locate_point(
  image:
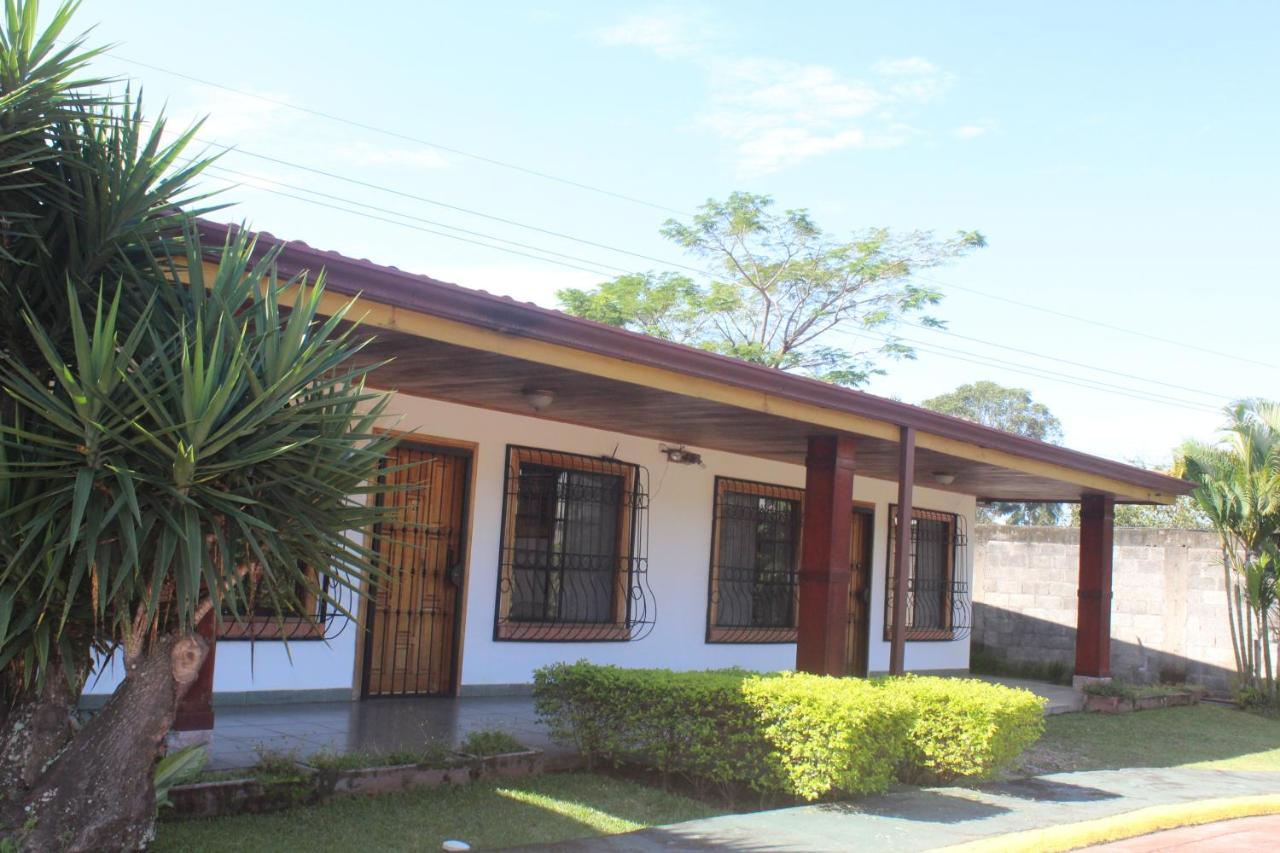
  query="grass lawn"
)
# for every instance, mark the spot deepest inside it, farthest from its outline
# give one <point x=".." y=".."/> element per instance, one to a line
<point x="1204" y="735"/>
<point x="541" y="809"/>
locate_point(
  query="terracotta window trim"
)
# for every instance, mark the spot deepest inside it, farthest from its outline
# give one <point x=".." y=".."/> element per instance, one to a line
<point x="944" y="632"/>
<point x="717" y="633"/>
<point x="267" y="627"/>
<point x="616" y="629"/>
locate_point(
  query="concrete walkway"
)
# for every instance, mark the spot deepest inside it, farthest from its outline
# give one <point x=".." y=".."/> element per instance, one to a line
<point x="1062" y="699"/>
<point x="373" y="725"/>
<point x="405" y="723"/>
<point x="926" y="819"/>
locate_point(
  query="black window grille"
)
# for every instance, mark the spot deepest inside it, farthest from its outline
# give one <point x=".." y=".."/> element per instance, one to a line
<point x="938" y="598"/>
<point x="755" y="555"/>
<point x="574" y="564"/>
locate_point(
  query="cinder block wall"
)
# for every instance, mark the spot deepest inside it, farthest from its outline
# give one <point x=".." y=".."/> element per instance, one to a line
<point x="1169" y="610"/>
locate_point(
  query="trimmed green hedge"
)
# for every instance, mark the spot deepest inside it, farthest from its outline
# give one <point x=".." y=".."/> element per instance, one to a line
<point x="695" y="724"/>
<point x="965" y="728"/>
<point x="829" y="734"/>
<point x="792" y="734"/>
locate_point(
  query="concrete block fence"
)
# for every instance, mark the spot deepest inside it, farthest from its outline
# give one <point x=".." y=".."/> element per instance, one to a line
<point x="1169" y="609"/>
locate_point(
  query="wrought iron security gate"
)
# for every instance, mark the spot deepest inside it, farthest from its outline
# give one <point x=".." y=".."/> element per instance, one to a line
<point x="411" y="634"/>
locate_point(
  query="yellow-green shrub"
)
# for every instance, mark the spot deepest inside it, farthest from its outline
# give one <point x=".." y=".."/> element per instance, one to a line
<point x="695" y="724"/>
<point x="964" y="728"/>
<point x="793" y="734"/>
<point x="830" y="734"/>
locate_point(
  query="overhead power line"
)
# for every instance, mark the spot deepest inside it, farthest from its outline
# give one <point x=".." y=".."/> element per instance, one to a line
<point x="389" y="212"/>
<point x="1095" y="322"/>
<point x="624" y="197"/>
<point x="590" y="265"/>
<point x="411" y="226"/>
<point x="405" y="137"/>
<point x="960" y="355"/>
<point x="597" y="267"/>
<point x="946" y="331"/>
<point x="230" y="149"/>
<point x="1044" y="373"/>
<point x="654" y="205"/>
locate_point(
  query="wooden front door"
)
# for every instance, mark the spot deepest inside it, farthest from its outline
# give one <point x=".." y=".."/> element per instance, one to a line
<point x="411" y="633"/>
<point x="859" y="632"/>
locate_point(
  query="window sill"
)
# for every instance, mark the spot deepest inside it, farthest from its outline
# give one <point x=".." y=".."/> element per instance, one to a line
<point x="269" y="629"/>
<point x="562" y="632"/>
<point x="924" y="635"/>
<point x="747" y="635"/>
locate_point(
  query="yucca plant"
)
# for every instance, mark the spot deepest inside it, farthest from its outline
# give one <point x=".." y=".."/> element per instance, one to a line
<point x="1238" y="488"/>
<point x="181" y="473"/>
<point x="182" y="433"/>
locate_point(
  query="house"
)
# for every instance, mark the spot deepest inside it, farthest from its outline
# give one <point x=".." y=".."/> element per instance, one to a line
<point x="580" y="491"/>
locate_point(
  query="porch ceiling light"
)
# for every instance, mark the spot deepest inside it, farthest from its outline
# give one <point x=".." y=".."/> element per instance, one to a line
<point x="539" y="399"/>
<point x="946" y="478"/>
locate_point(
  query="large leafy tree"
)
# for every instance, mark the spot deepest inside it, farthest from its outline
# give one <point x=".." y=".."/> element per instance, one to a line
<point x="173" y="444"/>
<point x="1012" y="410"/>
<point x="1238" y="488"/>
<point x="775" y="289"/>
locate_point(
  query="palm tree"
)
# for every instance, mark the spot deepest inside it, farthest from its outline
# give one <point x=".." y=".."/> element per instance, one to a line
<point x="173" y="443"/>
<point x="1238" y="488"/>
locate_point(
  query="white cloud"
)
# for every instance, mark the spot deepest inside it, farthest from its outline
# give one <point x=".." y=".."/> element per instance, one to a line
<point x="777" y="113"/>
<point x="909" y="66"/>
<point x="972" y="131"/>
<point x="231" y="117"/>
<point x="667" y="32"/>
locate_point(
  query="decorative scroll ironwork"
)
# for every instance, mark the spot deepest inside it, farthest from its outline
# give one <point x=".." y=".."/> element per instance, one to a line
<point x="574" y="557"/>
<point x="307" y="617"/>
<point x="939" y="605"/>
<point x="755" y="552"/>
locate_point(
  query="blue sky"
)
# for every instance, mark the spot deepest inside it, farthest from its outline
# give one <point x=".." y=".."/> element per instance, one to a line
<point x="1120" y="158"/>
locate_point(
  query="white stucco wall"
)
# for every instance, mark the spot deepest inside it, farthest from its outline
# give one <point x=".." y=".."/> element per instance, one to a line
<point x="680" y="520"/>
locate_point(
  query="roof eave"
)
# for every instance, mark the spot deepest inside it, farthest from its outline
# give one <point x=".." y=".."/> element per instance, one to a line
<point x="419" y="293"/>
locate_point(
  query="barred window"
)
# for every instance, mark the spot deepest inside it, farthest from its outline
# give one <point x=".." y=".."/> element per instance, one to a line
<point x="755" y="555"/>
<point x="570" y="563"/>
<point x="304" y="616"/>
<point x="937" y="589"/>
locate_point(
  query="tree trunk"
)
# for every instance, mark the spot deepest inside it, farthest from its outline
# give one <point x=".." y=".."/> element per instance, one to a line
<point x="1228" y="585"/>
<point x="1244" y="615"/>
<point x="35" y="728"/>
<point x="98" y="793"/>
<point x="1265" y="622"/>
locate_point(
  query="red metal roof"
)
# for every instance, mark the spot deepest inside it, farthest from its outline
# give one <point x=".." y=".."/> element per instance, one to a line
<point x="392" y="286"/>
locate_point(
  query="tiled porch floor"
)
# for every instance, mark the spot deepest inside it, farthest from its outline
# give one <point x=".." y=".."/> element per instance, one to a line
<point x="385" y="725"/>
<point x="372" y="725"/>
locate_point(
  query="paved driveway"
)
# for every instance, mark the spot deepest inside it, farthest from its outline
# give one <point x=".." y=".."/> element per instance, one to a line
<point x="925" y="819"/>
<point x="1245" y="835"/>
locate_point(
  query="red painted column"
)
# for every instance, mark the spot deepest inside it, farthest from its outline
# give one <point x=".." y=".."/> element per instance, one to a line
<point x="824" y="556"/>
<point x="902" y="550"/>
<point x="195" y="711"/>
<point x="1093" y="618"/>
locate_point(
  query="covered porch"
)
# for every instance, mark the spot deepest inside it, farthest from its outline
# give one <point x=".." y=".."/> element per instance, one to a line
<point x="469" y="348"/>
<point x="465" y="346"/>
